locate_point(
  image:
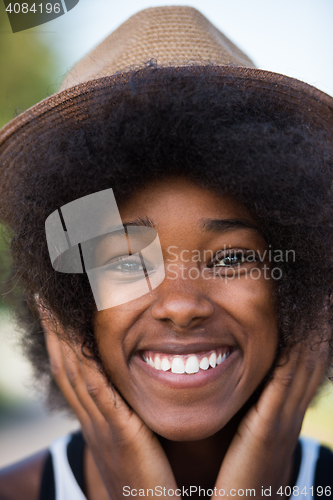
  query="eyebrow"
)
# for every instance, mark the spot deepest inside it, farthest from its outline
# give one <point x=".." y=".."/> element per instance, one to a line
<point x="225" y="225"/>
<point x="209" y="225"/>
<point x="141" y="221"/>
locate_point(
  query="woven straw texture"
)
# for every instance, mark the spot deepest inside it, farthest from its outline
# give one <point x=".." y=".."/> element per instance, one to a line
<point x="171" y="35"/>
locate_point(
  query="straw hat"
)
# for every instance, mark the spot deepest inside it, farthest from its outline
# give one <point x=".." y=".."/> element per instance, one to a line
<point x="174" y="36"/>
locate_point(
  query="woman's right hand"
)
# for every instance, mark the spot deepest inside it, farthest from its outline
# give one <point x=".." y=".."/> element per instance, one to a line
<point x="126" y="451"/>
<point x="260" y="456"/>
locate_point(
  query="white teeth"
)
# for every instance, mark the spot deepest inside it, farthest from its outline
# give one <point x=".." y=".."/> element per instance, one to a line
<point x="212" y="360"/>
<point x="204" y="363"/>
<point x="165" y="364"/>
<point x="177" y="365"/>
<point x="192" y="365"/>
<point x="157" y="363"/>
<point x="184" y="364"/>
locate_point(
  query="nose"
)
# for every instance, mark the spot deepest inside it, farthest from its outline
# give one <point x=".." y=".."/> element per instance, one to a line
<point x="183" y="309"/>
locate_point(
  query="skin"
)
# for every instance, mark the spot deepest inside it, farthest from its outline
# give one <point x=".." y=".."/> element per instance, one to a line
<point x="187" y="311"/>
<point x="22" y="480"/>
<point x="144" y="431"/>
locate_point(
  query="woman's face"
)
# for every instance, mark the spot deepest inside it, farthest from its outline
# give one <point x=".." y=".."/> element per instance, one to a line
<point x="209" y="304"/>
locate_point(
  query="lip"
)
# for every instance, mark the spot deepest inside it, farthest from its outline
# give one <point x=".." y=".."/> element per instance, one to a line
<point x="185" y="381"/>
<point x="173" y="348"/>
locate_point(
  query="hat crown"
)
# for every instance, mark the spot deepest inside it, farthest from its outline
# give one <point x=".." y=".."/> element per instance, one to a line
<point x="173" y="36"/>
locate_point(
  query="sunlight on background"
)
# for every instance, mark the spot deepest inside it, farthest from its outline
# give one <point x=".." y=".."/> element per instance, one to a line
<point x="292" y="37"/>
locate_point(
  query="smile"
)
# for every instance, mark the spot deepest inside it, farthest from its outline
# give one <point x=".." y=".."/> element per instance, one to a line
<point x="187" y="363"/>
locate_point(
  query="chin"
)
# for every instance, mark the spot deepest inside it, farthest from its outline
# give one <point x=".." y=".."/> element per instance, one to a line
<point x="185" y="427"/>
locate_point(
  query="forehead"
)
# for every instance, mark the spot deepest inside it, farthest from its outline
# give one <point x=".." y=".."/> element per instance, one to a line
<point x="178" y="201"/>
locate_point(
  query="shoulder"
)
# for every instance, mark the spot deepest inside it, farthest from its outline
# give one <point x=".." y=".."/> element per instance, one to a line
<point x="21" y="481"/>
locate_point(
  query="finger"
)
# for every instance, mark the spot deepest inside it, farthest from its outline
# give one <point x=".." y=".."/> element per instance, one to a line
<point x="276" y="392"/>
<point x="105" y="396"/>
<point x="59" y="373"/>
<point x="305" y="370"/>
<point x="78" y="383"/>
<point x="89" y="394"/>
<point x="317" y="372"/>
<point x="293" y="385"/>
<point x="309" y="370"/>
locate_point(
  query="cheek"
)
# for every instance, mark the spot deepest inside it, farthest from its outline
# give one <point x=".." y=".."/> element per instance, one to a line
<point x="114" y="334"/>
<point x="108" y="327"/>
<point x="250" y="302"/>
<point x="112" y="323"/>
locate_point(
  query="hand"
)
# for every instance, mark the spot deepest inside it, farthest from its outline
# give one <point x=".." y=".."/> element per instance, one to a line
<point x="261" y="452"/>
<point x="125" y="450"/>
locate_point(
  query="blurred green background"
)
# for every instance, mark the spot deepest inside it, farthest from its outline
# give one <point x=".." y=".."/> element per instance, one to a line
<point x="28" y="69"/>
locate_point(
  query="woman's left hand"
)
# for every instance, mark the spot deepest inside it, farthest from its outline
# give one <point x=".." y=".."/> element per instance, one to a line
<point x="261" y="452"/>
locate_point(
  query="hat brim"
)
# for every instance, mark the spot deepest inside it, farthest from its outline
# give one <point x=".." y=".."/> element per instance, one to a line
<point x="73" y="105"/>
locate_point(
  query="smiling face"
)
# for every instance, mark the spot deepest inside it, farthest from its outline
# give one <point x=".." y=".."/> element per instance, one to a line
<point x="214" y="304"/>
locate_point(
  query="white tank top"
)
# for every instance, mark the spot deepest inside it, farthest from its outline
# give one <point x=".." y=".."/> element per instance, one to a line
<point x="307" y="471"/>
<point x="67" y="487"/>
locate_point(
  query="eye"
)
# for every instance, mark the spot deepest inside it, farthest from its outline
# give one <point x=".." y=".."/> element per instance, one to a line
<point x="126" y="264"/>
<point x="230" y="258"/>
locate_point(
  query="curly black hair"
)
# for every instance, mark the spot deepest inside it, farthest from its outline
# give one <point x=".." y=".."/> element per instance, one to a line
<point x="242" y="141"/>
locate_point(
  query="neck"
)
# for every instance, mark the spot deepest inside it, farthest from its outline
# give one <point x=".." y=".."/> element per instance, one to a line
<point x="197" y="463"/>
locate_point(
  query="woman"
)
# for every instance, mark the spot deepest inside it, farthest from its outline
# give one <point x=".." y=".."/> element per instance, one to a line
<point x="202" y="379"/>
